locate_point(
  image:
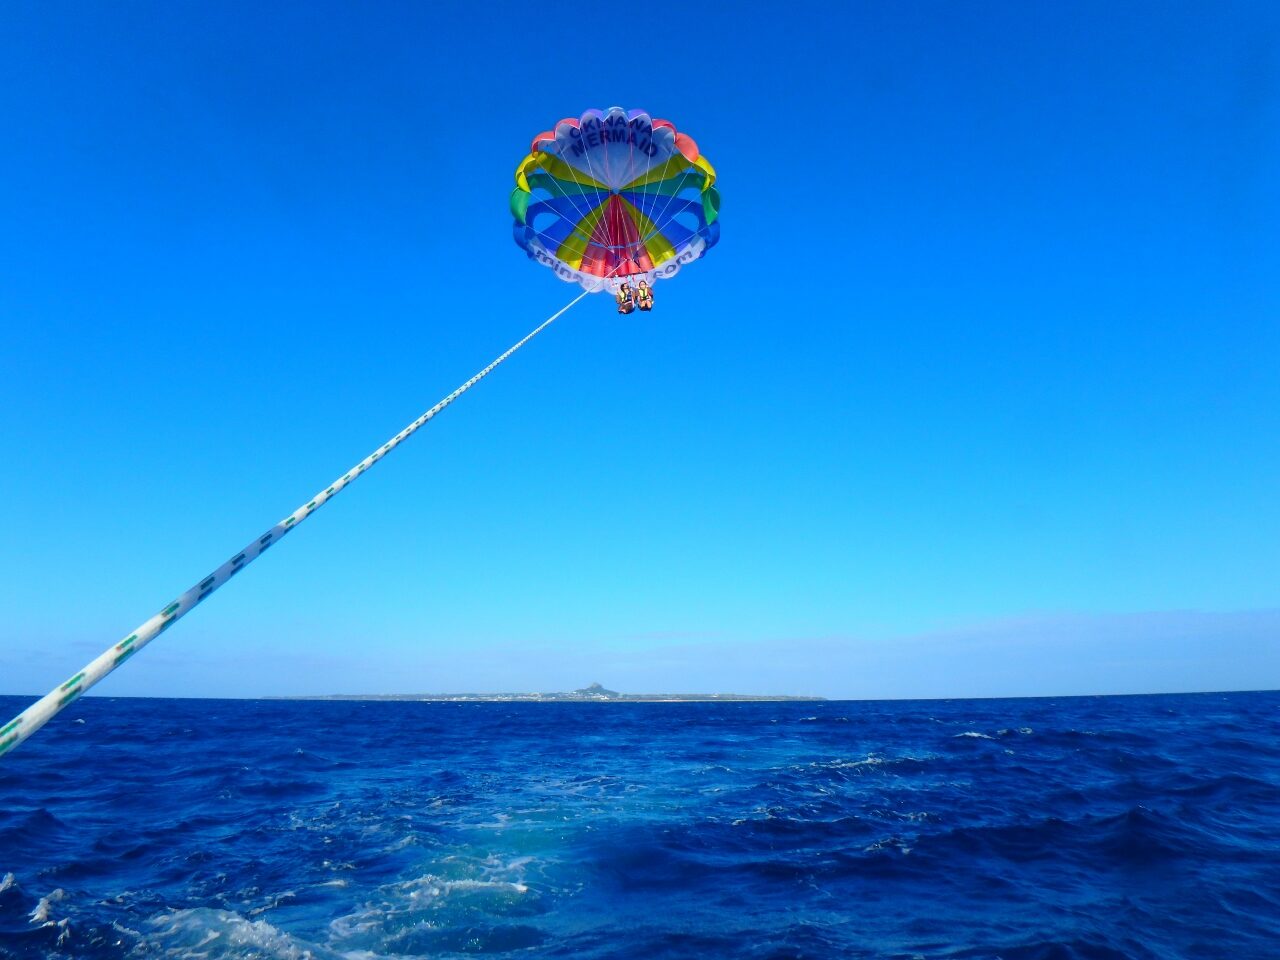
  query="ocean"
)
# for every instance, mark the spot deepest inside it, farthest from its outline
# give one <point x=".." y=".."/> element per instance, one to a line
<point x="1039" y="829"/>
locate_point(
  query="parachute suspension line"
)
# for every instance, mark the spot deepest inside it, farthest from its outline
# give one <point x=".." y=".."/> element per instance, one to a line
<point x="659" y="220"/>
<point x="602" y="202"/>
<point x="647" y="205"/>
<point x="43" y="710"/>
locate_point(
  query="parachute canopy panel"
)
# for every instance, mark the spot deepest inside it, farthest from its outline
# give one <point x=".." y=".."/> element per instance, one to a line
<point x="615" y="194"/>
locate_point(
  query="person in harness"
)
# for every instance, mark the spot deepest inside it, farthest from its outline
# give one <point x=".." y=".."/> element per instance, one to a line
<point x="625" y="302"/>
<point x="644" y="296"/>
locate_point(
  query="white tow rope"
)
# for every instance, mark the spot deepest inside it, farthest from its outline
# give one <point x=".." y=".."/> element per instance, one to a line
<point x="48" y="706"/>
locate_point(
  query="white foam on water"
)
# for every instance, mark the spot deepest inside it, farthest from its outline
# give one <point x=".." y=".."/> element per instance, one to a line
<point x="9" y="881"/>
<point x="450" y="885"/>
<point x="408" y="840"/>
<point x="274" y="902"/>
<point x="870" y="760"/>
<point x="119" y="927"/>
<point x="41" y="913"/>
<point x="500" y="821"/>
<point x="431" y="901"/>
<point x="975" y="733"/>
<point x="890" y="843"/>
<point x="203" y="933"/>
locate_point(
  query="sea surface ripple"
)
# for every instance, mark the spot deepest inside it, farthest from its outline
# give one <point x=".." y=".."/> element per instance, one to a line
<point x="1047" y="829"/>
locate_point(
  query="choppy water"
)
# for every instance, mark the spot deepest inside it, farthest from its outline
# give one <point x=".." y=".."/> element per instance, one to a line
<point x="1135" y="827"/>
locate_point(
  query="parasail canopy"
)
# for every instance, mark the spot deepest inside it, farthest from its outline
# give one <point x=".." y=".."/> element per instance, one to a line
<point x="615" y="195"/>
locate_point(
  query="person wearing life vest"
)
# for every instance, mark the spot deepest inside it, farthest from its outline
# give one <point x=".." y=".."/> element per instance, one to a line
<point x="644" y="296"/>
<point x="625" y="302"/>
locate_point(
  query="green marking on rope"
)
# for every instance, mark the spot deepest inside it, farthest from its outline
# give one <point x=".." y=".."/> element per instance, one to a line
<point x="126" y="655"/>
<point x="73" y="681"/>
<point x="329" y="491"/>
<point x="126" y="642"/>
<point x="5" y="745"/>
<point x="169" y="610"/>
<point x="311" y="505"/>
<point x="10" y="726"/>
<point x="69" y="697"/>
<point x="291" y="521"/>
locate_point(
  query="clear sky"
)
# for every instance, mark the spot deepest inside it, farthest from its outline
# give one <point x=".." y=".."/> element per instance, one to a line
<point x="979" y="393"/>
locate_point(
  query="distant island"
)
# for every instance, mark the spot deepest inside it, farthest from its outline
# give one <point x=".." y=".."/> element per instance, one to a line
<point x="594" y="693"/>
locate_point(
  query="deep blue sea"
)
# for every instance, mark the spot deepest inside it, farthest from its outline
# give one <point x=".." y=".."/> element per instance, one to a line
<point x="1110" y="827"/>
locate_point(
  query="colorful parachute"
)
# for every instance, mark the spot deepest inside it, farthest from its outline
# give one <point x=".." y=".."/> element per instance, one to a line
<point x="615" y="194"/>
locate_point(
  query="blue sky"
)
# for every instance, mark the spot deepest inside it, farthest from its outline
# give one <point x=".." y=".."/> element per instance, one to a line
<point x="977" y="395"/>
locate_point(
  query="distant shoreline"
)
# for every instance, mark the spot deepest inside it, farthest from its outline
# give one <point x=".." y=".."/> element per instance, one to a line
<point x="559" y="698"/>
<point x="595" y="693"/>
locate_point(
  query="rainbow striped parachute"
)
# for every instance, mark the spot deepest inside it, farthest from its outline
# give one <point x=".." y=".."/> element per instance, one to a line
<point x="613" y="195"/>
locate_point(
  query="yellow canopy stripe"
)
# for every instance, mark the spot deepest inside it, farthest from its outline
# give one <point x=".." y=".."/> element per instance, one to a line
<point x="658" y="247"/>
<point x="556" y="167"/>
<point x="673" y="168"/>
<point x="575" y="245"/>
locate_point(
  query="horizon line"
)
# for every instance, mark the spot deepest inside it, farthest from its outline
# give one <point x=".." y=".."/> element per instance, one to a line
<point x="710" y="698"/>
